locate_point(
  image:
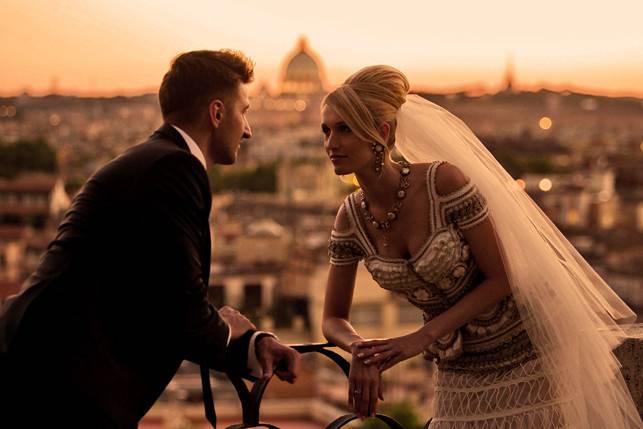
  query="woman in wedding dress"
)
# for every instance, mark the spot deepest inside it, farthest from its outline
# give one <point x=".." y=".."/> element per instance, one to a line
<point x="520" y="326"/>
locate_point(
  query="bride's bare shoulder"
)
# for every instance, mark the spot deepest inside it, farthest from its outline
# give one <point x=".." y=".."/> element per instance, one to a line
<point x="420" y="168"/>
<point x="449" y="178"/>
<point x="342" y="222"/>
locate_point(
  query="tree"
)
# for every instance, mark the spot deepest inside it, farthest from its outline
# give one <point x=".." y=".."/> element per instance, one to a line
<point x="263" y="178"/>
<point x="25" y="156"/>
<point x="403" y="412"/>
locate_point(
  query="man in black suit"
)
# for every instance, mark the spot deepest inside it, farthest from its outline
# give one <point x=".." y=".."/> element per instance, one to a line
<point x="119" y="299"/>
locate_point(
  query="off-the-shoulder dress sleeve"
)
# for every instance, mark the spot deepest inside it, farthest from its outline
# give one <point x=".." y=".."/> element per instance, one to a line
<point x="344" y="247"/>
<point x="467" y="207"/>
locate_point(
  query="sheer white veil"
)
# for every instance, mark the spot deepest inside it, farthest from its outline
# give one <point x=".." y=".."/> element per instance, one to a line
<point x="573" y="318"/>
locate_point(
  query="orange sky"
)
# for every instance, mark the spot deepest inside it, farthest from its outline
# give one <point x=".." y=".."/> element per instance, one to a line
<point x="121" y="46"/>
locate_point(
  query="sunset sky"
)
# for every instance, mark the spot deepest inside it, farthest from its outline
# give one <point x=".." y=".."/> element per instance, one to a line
<point x="104" y="47"/>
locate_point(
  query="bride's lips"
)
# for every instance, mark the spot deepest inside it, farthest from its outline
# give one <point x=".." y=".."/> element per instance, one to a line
<point x="336" y="158"/>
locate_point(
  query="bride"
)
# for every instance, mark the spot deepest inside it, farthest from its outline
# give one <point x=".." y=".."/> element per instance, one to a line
<point x="520" y="326"/>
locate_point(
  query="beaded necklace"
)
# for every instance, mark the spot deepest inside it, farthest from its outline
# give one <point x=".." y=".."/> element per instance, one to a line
<point x="392" y="213"/>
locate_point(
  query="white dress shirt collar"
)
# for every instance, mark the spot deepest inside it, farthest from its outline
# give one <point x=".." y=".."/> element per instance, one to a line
<point x="194" y="148"/>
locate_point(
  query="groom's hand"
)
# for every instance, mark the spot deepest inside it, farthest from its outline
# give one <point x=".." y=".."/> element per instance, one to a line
<point x="238" y="323"/>
<point x="277" y="358"/>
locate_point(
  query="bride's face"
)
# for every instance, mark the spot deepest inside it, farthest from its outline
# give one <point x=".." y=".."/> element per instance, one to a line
<point x="347" y="152"/>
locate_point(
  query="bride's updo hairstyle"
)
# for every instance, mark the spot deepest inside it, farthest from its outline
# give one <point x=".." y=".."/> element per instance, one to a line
<point x="369" y="97"/>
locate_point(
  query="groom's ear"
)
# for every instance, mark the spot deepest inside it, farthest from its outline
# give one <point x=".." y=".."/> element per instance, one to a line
<point x="216" y="111"/>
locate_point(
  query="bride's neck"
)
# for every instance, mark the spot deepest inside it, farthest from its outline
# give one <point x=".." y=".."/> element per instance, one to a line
<point x="379" y="190"/>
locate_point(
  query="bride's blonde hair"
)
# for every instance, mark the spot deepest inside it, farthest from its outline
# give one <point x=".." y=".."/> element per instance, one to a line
<point x="369" y="97"/>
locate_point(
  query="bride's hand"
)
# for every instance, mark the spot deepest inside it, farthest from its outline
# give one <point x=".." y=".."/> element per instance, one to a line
<point x="386" y="353"/>
<point x="364" y="387"/>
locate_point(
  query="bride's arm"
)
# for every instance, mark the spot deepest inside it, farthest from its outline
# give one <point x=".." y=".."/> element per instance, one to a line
<point x="337" y="304"/>
<point x="364" y="382"/>
<point x="339" y="296"/>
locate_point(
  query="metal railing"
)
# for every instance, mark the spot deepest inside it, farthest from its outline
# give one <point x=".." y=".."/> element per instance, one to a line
<point x="630" y="354"/>
<point x="251" y="398"/>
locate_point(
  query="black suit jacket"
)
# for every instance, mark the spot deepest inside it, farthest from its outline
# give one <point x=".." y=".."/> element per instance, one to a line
<point x="119" y="300"/>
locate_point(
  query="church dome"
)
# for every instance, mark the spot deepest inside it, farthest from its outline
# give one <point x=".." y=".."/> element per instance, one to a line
<point x="302" y="72"/>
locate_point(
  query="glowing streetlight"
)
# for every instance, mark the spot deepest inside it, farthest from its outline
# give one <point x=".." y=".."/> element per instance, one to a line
<point x="545" y="123"/>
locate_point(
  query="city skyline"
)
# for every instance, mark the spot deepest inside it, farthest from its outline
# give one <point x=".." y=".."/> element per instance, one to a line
<point x="108" y="48"/>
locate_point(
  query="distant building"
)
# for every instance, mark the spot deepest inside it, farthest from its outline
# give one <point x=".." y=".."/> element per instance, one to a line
<point x="309" y="181"/>
<point x="30" y="207"/>
<point x="12" y="253"/>
<point x="302" y="72"/>
<point x="301" y="86"/>
<point x="32" y="199"/>
<point x="580" y="200"/>
<point x="509" y="76"/>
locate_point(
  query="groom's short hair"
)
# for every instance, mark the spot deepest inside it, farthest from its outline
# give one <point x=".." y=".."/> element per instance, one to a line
<point x="196" y="77"/>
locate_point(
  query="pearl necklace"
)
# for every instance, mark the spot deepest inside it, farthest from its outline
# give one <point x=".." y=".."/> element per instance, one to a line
<point x="391" y="215"/>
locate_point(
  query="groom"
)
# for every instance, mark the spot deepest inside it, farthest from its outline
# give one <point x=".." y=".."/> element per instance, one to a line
<point x="119" y="298"/>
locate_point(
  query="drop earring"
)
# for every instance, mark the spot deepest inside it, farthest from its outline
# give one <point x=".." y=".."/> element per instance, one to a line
<point x="378" y="150"/>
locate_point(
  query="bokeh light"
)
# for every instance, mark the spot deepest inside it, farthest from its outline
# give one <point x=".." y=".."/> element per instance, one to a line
<point x="545" y="123"/>
<point x="54" y="120"/>
<point x="545" y="185"/>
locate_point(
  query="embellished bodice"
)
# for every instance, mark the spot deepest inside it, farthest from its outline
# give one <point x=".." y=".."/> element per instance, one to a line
<point x="433" y="279"/>
<point x="438" y="275"/>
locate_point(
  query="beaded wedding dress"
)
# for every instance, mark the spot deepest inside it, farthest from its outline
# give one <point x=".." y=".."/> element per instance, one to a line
<point x="489" y="373"/>
<point x="543" y="357"/>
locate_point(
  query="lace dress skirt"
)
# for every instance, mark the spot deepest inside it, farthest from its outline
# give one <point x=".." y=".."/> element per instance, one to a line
<point x="519" y="397"/>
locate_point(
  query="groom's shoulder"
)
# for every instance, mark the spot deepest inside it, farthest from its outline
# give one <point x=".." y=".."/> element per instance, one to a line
<point x="154" y="149"/>
<point x="157" y="149"/>
<point x="152" y="157"/>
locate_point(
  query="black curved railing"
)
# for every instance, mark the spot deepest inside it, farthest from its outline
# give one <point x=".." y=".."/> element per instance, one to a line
<point x="629" y="354"/>
<point x="251" y="398"/>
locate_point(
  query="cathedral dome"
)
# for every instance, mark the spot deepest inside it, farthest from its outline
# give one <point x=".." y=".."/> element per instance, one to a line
<point x="302" y="71"/>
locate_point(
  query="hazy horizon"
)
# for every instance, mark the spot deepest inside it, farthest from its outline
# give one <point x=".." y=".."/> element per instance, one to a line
<point x="118" y="47"/>
<point x="469" y="90"/>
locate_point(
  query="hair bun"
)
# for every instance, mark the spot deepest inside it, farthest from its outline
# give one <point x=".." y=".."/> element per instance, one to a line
<point x="369" y="97"/>
<point x="386" y="83"/>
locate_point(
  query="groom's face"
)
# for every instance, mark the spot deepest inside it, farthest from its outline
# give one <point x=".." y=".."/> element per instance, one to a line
<point x="233" y="128"/>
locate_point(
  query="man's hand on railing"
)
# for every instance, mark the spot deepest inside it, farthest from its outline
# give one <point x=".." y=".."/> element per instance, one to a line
<point x="278" y="358"/>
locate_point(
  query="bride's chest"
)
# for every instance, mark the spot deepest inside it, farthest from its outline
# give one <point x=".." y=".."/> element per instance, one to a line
<point x="441" y="261"/>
